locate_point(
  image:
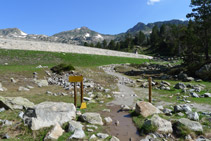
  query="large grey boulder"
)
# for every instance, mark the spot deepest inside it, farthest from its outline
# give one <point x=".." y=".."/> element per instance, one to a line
<point x="146" y="109"/>
<point x="15" y="103"/>
<point x="47" y="114"/>
<point x="92" y="118"/>
<point x="55" y="133"/>
<point x="192" y="125"/>
<point x="204" y="72"/>
<point x="163" y="126"/>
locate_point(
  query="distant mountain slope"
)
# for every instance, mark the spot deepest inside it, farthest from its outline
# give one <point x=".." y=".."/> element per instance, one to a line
<point x="80" y="35"/>
<point x="148" y="28"/>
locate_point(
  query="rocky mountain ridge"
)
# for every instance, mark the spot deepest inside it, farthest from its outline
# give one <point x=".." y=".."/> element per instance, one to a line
<point x="81" y="35"/>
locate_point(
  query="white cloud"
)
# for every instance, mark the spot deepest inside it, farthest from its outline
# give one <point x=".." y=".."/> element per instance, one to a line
<point x="151" y="2"/>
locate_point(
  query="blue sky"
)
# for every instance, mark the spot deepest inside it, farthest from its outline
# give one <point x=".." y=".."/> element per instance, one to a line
<point x="104" y="16"/>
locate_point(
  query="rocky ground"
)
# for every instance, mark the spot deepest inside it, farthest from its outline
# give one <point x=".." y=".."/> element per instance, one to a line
<point x="39" y="106"/>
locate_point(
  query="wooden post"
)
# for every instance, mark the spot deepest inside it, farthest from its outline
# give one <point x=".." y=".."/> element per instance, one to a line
<point x="150" y="89"/>
<point x="82" y="87"/>
<point x="75" y="95"/>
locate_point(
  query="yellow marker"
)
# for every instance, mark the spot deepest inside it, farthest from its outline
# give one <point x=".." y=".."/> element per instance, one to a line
<point x="83" y="105"/>
<point x="75" y="78"/>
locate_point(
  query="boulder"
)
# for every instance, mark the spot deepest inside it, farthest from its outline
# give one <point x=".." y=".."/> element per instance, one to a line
<point x="180" y="86"/>
<point x="204" y="72"/>
<point x="92" y="118"/>
<point x="192" y="125"/>
<point x="55" y="133"/>
<point x="193" y="116"/>
<point x="163" y="126"/>
<point x="207" y="94"/>
<point x="78" y="134"/>
<point x="41" y="83"/>
<point x="146" y="109"/>
<point x="15" y="103"/>
<point x="21" y="88"/>
<point x="73" y="125"/>
<point x="47" y="114"/>
<point x="108" y="120"/>
<point x="193" y="94"/>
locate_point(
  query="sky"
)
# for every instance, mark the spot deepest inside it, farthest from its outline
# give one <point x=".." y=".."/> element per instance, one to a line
<point x="104" y="16"/>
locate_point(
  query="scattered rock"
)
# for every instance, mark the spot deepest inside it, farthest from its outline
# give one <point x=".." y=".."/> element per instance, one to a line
<point x="204" y="72"/>
<point x="167" y="111"/>
<point x="21" y="88"/>
<point x="192" y="125"/>
<point x="2" y="109"/>
<point x="193" y="94"/>
<point x="93" y="137"/>
<point x="207" y="94"/>
<point x="13" y="80"/>
<point x="102" y="135"/>
<point x="125" y="108"/>
<point x="55" y="133"/>
<point x="106" y="110"/>
<point x="15" y="103"/>
<point x="193" y="116"/>
<point x="180" y="114"/>
<point x="108" y="120"/>
<point x="41" y="83"/>
<point x="113" y="138"/>
<point x="146" y="109"/>
<point x="2" y="89"/>
<point x="6" y="136"/>
<point x="92" y="126"/>
<point x="92" y="118"/>
<point x="180" y="86"/>
<point x="47" y="114"/>
<point x="78" y="134"/>
<point x="117" y="123"/>
<point x="73" y="125"/>
<point x="162" y="125"/>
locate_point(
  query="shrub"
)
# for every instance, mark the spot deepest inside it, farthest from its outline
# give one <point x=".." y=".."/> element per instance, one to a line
<point x="62" y="68"/>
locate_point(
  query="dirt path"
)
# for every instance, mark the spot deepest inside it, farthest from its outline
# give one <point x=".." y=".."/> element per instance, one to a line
<point x="126" y="129"/>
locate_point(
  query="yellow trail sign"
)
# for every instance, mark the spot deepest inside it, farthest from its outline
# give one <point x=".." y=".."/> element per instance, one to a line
<point x="75" y="78"/>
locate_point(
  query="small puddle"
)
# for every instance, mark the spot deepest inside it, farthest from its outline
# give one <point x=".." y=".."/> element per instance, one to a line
<point x="126" y="128"/>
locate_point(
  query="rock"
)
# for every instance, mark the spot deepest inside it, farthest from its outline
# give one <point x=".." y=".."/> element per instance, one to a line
<point x="73" y="125"/>
<point x="160" y="107"/>
<point x="125" y="108"/>
<point x="188" y="79"/>
<point x="188" y="137"/>
<point x="41" y="83"/>
<point x="7" y="123"/>
<point x="2" y="89"/>
<point x="117" y="123"/>
<point x="102" y="135"/>
<point x="180" y="86"/>
<point x="29" y="87"/>
<point x="180" y="114"/>
<point x="23" y="89"/>
<point x="165" y="83"/>
<point x="193" y="116"/>
<point x="163" y="126"/>
<point x="113" y="138"/>
<point x="107" y="110"/>
<point x="186" y="108"/>
<point x="108" y="120"/>
<point x="178" y="108"/>
<point x="92" y="118"/>
<point x="92" y="126"/>
<point x="204" y="72"/>
<point x="47" y="114"/>
<point x="78" y="134"/>
<point x="6" y="136"/>
<point x="193" y="94"/>
<point x="93" y="137"/>
<point x="90" y="130"/>
<point x="2" y="109"/>
<point x="167" y="111"/>
<point x="21" y="114"/>
<point x="192" y="125"/>
<point x="15" y="103"/>
<point x="146" y="109"/>
<point x="13" y="80"/>
<point x="55" y="133"/>
<point x="87" y="98"/>
<point x="207" y="94"/>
